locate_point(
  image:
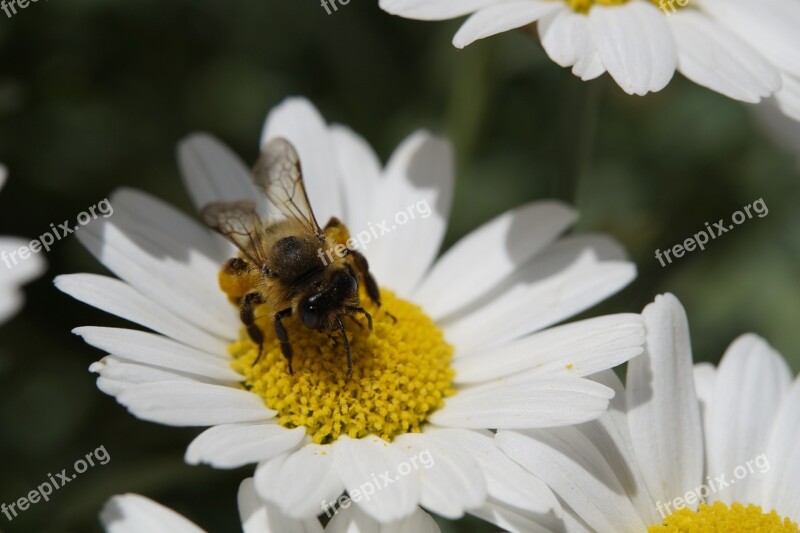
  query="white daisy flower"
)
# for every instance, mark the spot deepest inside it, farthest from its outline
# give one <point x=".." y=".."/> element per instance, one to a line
<point x="672" y="457"/>
<point x="475" y="349"/>
<point x="132" y="513"/>
<point x="743" y="49"/>
<point x="15" y="271"/>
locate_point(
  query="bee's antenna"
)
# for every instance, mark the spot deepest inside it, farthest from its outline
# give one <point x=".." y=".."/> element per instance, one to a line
<point x="346" y="345"/>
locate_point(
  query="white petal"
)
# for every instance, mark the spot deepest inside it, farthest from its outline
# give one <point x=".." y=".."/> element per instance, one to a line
<point x="663" y="411"/>
<point x="364" y="464"/>
<point x="352" y="519"/>
<point x="576" y="469"/>
<point x="450" y="479"/>
<point x="303" y="484"/>
<point x="567" y="39"/>
<point x="518" y="521"/>
<point x="117" y="375"/>
<point x="525" y="402"/>
<point x="213" y="173"/>
<point x="155" y="350"/>
<point x="503" y="16"/>
<point x="635" y="45"/>
<point x="561" y="282"/>
<point x="502" y="245"/>
<point x="589" y="66"/>
<point x="131" y="513"/>
<point x="713" y="57"/>
<point x="361" y="172"/>
<point x="770" y="26"/>
<point x="235" y="445"/>
<point x="507" y="483"/>
<point x="414" y="204"/>
<point x="147" y="215"/>
<point x="752" y="380"/>
<point x="782" y="458"/>
<point x="705" y="376"/>
<point x="577" y="349"/>
<point x="160" y="253"/>
<point x="118" y="298"/>
<point x="298" y="121"/>
<point x="433" y="9"/>
<point x="260" y="517"/>
<point x="612" y="436"/>
<point x="186" y="403"/>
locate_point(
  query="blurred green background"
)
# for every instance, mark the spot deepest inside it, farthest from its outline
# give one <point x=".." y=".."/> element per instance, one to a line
<point x="94" y="95"/>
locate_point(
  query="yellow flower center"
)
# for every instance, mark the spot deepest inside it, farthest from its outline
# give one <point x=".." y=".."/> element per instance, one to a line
<point x="401" y="373"/>
<point x="718" y="517"/>
<point x="666" y="6"/>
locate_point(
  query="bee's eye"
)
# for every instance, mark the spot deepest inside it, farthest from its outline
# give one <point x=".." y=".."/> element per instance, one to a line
<point x="353" y="284"/>
<point x="310" y="316"/>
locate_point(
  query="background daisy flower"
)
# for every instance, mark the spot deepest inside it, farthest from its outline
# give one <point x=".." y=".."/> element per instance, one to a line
<point x="658" y="462"/>
<point x="132" y="513"/>
<point x="745" y="50"/>
<point x="472" y="346"/>
<point x="14" y="272"/>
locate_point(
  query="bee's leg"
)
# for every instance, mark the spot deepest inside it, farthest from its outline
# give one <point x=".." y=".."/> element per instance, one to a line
<point x="369" y="281"/>
<point x="372" y="287"/>
<point x="363" y="312"/>
<point x="346" y="345"/>
<point x="247" y="316"/>
<point x="283" y="338"/>
<point x="355" y="321"/>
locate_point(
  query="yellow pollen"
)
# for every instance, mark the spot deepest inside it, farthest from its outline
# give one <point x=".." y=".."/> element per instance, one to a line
<point x="401" y="373"/>
<point x="719" y="518"/>
<point x="583" y="6"/>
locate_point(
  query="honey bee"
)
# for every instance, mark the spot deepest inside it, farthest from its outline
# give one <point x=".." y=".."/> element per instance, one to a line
<point x="280" y="263"/>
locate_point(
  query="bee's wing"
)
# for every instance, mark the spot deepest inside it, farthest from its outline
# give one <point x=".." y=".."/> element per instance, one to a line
<point x="279" y="174"/>
<point x="239" y="223"/>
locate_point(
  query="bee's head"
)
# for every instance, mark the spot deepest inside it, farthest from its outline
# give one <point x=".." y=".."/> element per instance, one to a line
<point x="341" y="286"/>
